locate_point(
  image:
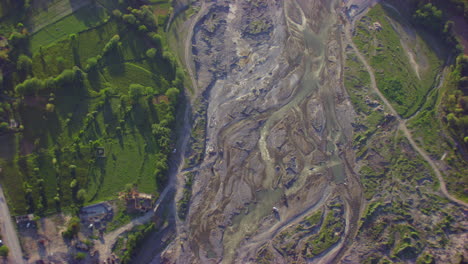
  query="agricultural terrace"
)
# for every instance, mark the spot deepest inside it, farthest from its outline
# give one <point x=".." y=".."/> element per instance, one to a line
<point x="87" y="105"/>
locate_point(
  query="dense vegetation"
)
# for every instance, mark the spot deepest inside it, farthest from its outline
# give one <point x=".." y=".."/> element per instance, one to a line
<point x="127" y="246"/>
<point x="86" y="111"/>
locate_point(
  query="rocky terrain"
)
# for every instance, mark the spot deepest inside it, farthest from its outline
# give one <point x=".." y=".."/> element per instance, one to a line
<point x="273" y="128"/>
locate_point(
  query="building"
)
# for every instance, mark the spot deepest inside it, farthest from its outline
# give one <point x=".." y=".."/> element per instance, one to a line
<point x="137" y="202"/>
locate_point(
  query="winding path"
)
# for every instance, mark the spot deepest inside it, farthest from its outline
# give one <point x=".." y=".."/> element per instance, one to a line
<point x="402" y="122"/>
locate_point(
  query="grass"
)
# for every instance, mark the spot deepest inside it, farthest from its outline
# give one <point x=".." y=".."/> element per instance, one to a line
<point x="120" y="76"/>
<point x="386" y="54"/>
<point x="85" y="118"/>
<point x="79" y="21"/>
<point x="329" y="234"/>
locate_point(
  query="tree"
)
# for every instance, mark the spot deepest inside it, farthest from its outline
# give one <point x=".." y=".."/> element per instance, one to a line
<point x="92" y="64"/>
<point x="160" y="131"/>
<point x="50" y="108"/>
<point x="136" y="91"/>
<point x="73" y="184"/>
<point x="156" y="39"/>
<point x="142" y="28"/>
<point x="24" y="64"/>
<point x="111" y="44"/>
<point x="172" y="94"/>
<point x="130" y="19"/>
<point x="16" y="39"/>
<point x="452" y="120"/>
<point x="66" y="77"/>
<point x="117" y="13"/>
<point x="428" y="15"/>
<point x="61" y="63"/>
<point x="151" y="53"/>
<point x="4" y="250"/>
<point x="81" y="195"/>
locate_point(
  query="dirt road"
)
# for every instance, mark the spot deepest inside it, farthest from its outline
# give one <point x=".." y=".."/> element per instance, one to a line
<point x="10" y="237"/>
<point x="400" y="120"/>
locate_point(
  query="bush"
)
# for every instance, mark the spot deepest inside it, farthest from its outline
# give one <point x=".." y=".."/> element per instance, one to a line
<point x="50" y="108"/>
<point x="80" y="256"/>
<point x="4" y="250"/>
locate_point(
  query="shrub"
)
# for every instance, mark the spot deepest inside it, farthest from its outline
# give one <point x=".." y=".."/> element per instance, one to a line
<point x="4" y="250"/>
<point x="73" y="228"/>
<point x="80" y="256"/>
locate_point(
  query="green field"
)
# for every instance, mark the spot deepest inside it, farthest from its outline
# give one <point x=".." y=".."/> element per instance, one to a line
<point x="95" y="89"/>
<point x="403" y="83"/>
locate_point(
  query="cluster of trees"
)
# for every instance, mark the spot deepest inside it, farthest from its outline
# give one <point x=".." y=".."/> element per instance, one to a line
<point x="431" y="17"/>
<point x="456" y="101"/>
<point x="134" y="240"/>
<point x="142" y="17"/>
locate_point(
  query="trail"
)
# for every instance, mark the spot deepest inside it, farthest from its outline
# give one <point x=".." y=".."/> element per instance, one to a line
<point x="402" y="122"/>
<point x="10" y="237"/>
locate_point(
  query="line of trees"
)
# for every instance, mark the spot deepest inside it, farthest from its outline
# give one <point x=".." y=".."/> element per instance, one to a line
<point x="33" y="86"/>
